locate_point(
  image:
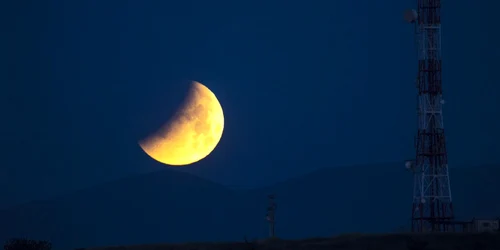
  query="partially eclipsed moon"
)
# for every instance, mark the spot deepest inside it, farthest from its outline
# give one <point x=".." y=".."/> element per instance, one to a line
<point x="192" y="133"/>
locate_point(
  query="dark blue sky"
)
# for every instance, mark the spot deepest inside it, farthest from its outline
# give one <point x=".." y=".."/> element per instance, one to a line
<point x="304" y="85"/>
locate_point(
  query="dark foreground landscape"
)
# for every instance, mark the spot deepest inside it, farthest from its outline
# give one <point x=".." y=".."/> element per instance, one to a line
<point x="440" y="241"/>
<point x="175" y="207"/>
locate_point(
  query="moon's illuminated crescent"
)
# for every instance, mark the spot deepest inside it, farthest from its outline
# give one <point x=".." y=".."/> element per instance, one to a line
<point x="192" y="133"/>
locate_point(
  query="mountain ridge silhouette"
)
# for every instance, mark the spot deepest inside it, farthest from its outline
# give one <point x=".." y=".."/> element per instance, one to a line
<point x="171" y="206"/>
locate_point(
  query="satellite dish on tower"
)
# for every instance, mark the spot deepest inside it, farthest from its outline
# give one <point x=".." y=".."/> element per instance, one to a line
<point x="411" y="16"/>
<point x="409" y="165"/>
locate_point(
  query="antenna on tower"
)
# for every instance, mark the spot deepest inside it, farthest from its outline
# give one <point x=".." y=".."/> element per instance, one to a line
<point x="410" y="15"/>
<point x="270" y="216"/>
<point x="410" y="165"/>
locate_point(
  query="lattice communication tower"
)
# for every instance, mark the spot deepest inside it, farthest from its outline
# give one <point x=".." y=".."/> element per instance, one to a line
<point x="432" y="208"/>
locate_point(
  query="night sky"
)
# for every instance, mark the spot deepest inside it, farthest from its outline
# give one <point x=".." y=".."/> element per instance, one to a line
<point x="303" y="84"/>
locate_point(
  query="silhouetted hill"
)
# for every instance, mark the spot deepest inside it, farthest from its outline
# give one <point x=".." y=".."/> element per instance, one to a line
<point x="169" y="206"/>
<point x="161" y="206"/>
<point x="371" y="198"/>
<point x="400" y="241"/>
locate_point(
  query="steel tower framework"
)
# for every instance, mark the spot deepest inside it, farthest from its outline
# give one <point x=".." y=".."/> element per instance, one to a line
<point x="432" y="204"/>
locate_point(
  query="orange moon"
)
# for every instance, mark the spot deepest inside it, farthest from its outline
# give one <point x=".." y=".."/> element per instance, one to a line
<point x="192" y="133"/>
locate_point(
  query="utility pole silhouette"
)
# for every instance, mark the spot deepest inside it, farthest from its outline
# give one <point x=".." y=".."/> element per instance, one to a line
<point x="271" y="210"/>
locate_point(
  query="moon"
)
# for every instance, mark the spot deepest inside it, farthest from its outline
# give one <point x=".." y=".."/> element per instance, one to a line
<point x="192" y="133"/>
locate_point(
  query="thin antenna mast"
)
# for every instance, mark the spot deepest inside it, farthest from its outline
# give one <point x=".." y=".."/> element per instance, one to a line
<point x="270" y="217"/>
